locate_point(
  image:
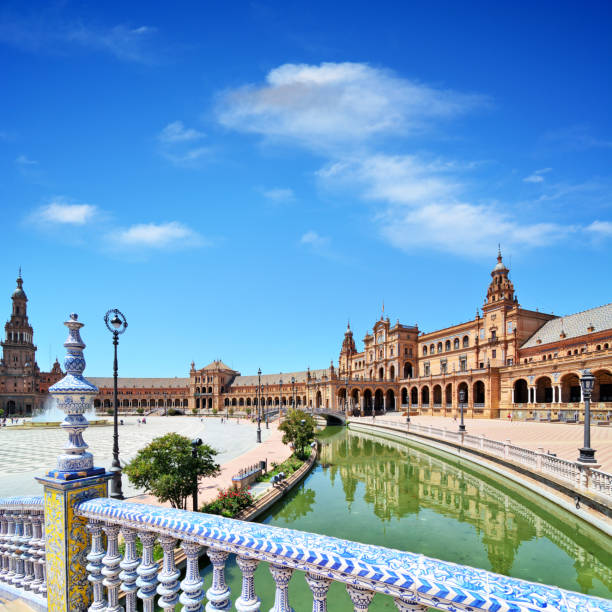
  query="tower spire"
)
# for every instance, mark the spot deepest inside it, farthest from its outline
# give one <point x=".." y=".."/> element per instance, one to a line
<point x="499" y="255"/>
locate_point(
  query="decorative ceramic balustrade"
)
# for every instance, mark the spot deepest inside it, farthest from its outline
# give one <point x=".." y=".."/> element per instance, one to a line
<point x="577" y="475"/>
<point x="414" y="582"/>
<point x="22" y="545"/>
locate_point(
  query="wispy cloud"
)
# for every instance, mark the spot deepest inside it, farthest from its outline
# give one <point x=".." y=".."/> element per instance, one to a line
<point x="537" y="176"/>
<point x="177" y="132"/>
<point x="23" y="160"/>
<point x="186" y="159"/>
<point x="354" y="115"/>
<point x="58" y="212"/>
<point x="600" y="229"/>
<point x="171" y="235"/>
<point x="279" y="194"/>
<point x="47" y="31"/>
<point x="578" y="137"/>
<point x="335" y="104"/>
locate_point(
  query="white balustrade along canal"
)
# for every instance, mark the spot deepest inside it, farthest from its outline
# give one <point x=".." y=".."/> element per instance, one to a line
<point x="22" y="547"/>
<point x="60" y="552"/>
<point x="414" y="582"/>
<point x="578" y="476"/>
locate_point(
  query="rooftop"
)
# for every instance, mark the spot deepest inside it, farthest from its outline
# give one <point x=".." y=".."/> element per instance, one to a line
<point x="272" y="379"/>
<point x="573" y="326"/>
<point x="103" y="382"/>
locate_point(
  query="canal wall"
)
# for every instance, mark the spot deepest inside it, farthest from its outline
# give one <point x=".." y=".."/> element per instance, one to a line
<point x="596" y="515"/>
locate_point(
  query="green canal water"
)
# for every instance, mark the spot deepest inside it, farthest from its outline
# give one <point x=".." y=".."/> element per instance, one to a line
<point x="383" y="491"/>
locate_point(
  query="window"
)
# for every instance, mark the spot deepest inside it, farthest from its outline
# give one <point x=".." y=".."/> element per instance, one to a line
<point x="447" y="345"/>
<point x="466" y="341"/>
<point x="456" y="343"/>
<point x="482" y="333"/>
<point x="426" y="369"/>
<point x="443" y="366"/>
<point x="510" y="361"/>
<point x="463" y="364"/>
<point x="391" y="351"/>
<point x="439" y="347"/>
<point x="424" y="350"/>
<point x="493" y="353"/>
<point x="493" y="334"/>
<point x="510" y="328"/>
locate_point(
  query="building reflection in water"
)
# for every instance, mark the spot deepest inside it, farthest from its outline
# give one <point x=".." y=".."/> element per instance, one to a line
<point x="401" y="480"/>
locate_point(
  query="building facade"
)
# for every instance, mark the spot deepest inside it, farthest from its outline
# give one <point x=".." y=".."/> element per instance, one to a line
<point x="23" y="387"/>
<point x="506" y="361"/>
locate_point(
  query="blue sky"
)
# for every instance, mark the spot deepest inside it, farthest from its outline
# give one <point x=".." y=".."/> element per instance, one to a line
<point x="241" y="178"/>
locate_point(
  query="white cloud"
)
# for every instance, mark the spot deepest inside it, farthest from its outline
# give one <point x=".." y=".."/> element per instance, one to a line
<point x="23" y="160"/>
<point x="465" y="229"/>
<point x="177" y="132"/>
<point x="169" y="235"/>
<point x="537" y="176"/>
<point x="313" y="239"/>
<point x="279" y="194"/>
<point x="59" y="212"/>
<point x="188" y="158"/>
<point x="337" y="103"/>
<point x="600" y="229"/>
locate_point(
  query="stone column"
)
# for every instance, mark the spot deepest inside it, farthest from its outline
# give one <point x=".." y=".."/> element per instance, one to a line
<point x="73" y="481"/>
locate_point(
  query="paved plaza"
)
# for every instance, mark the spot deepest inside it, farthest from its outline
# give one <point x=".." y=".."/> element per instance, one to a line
<point x="26" y="453"/>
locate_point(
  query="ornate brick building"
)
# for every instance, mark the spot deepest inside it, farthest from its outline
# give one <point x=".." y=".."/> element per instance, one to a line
<point x="506" y="360"/>
<point x="23" y="387"/>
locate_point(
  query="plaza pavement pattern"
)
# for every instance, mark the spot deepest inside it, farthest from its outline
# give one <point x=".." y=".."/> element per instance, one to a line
<point x="26" y="453"/>
<point x="564" y="439"/>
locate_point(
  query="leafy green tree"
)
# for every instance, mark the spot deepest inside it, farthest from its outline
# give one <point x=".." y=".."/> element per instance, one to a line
<point x="298" y="429"/>
<point x="166" y="468"/>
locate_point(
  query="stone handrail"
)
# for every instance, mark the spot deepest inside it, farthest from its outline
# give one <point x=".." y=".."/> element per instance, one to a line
<point x="413" y="581"/>
<point x="577" y="475"/>
<point x="22" y="545"/>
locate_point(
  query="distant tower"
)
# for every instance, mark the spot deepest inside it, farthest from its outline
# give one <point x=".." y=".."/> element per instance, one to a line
<point x="348" y="349"/>
<point x="501" y="289"/>
<point x="18" y="350"/>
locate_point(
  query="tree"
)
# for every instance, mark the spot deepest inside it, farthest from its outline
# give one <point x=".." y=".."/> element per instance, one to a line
<point x="298" y="429"/>
<point x="166" y="468"/>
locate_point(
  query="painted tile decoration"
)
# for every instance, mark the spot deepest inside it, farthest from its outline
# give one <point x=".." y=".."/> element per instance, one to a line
<point x="30" y="502"/>
<point x="430" y="581"/>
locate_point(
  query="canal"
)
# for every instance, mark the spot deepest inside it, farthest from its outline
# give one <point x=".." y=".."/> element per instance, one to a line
<point x="383" y="491"/>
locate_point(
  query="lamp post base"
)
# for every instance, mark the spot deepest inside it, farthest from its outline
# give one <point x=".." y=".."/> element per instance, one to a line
<point x="115" y="483"/>
<point x="587" y="455"/>
<point x="259" y="436"/>
<point x="462" y="428"/>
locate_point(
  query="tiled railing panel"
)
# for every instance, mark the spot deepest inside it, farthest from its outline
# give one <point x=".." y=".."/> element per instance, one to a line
<point x="414" y="582"/>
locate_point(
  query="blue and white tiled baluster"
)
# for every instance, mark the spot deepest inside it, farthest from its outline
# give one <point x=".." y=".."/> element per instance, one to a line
<point x="3" y="555"/>
<point x="42" y="558"/>
<point x="192" y="594"/>
<point x="168" y="587"/>
<point x="128" y="565"/>
<point x="26" y="546"/>
<point x="111" y="570"/>
<point x="319" y="585"/>
<point x="94" y="567"/>
<point x="282" y="576"/>
<point x="17" y="550"/>
<point x="248" y="600"/>
<point x="219" y="594"/>
<point x="36" y="543"/>
<point x="8" y="546"/>
<point x="405" y="604"/>
<point x="361" y="597"/>
<point x="147" y="572"/>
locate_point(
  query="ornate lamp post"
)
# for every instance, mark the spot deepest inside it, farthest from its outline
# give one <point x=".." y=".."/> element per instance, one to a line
<point x="117" y="325"/>
<point x="259" y="406"/>
<point x="587" y="382"/>
<point x="293" y="390"/>
<point x="195" y="443"/>
<point x="280" y="399"/>
<point x="461" y="402"/>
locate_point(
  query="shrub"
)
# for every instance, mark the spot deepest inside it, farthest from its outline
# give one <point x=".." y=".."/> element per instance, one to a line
<point x="174" y="412"/>
<point x="194" y="411"/>
<point x="229" y="502"/>
<point x="248" y="411"/>
<point x="109" y="412"/>
<point x="214" y="411"/>
<point x="140" y="410"/>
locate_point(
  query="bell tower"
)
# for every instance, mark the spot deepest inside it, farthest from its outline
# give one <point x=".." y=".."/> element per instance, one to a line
<point x="348" y="350"/>
<point x="501" y="289"/>
<point x="18" y="350"/>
